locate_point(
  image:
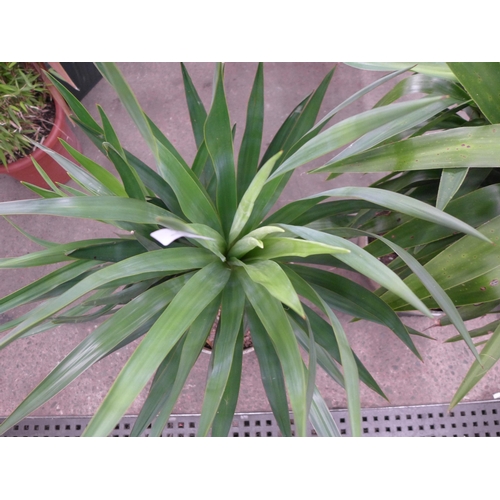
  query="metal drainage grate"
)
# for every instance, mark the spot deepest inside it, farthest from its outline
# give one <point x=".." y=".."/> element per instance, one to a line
<point x="475" y="419"/>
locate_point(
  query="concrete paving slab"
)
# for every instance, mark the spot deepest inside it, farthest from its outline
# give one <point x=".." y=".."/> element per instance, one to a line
<point x="158" y="86"/>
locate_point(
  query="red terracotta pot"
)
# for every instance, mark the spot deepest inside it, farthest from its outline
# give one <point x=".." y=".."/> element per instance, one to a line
<point x="24" y="170"/>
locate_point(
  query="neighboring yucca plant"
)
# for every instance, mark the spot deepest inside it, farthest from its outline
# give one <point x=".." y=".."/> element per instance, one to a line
<point x="455" y="168"/>
<point x="224" y="252"/>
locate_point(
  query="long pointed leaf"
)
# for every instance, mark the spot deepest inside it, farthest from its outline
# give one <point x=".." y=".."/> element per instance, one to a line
<point x="108" y="335"/>
<point x="233" y="303"/>
<point x="248" y="158"/>
<point x="219" y="141"/>
<point x="270" y="372"/>
<point x="274" y="319"/>
<point x="189" y="302"/>
<point x="406" y="205"/>
<point x="489" y="355"/>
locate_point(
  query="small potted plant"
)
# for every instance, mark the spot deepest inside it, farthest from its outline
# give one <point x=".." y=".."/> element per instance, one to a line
<point x="198" y="240"/>
<point x="29" y="113"/>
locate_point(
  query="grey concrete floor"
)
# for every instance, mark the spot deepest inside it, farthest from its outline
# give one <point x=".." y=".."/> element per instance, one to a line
<point x="159" y="89"/>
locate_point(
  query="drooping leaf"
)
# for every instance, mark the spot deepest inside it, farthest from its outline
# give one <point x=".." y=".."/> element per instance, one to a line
<point x="364" y="263"/>
<point x="404" y="204"/>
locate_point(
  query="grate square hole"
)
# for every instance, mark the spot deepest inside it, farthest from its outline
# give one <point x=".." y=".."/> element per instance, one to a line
<point x="170" y="425"/>
<point x="68" y="427"/>
<point x="292" y="421"/>
<point x="398" y="417"/>
<point x="26" y="427"/>
<point x="78" y="427"/>
<point x="386" y="417"/>
<point x="484" y="412"/>
<point x="476" y="434"/>
<point x="420" y="427"/>
<point x="387" y="429"/>
<point x="342" y="420"/>
<point x="430" y="415"/>
<point x="408" y="417"/>
<point x="180" y="425"/>
<point x="464" y="425"/>
<point x="191" y="435"/>
<point x="181" y="435"/>
<point x="443" y="426"/>
<point x="46" y="427"/>
<point x="452" y="413"/>
<point x="486" y="423"/>
<point x="269" y="423"/>
<point x="454" y="426"/>
<point x="496" y="422"/>
<point x="269" y="434"/>
<point x="441" y="415"/>
<point x="377" y="429"/>
<point x="58" y="427"/>
<point x="375" y="419"/>
<point x="258" y="434"/>
<point x="127" y="426"/>
<point x="246" y="423"/>
<point x="365" y="430"/>
<point x="235" y="434"/>
<point x="343" y="432"/>
<point x="494" y="411"/>
<point x="487" y="434"/>
<point x="37" y="427"/>
<point x="191" y="425"/>
<point x="462" y="414"/>
<point x="247" y="434"/>
<point x="410" y="428"/>
<point x="472" y="412"/>
<point x="257" y="423"/>
<point x="419" y="415"/>
<point x="365" y="419"/>
<point x="432" y="427"/>
<point x="398" y="429"/>
<point x="16" y="427"/>
<point x="117" y="427"/>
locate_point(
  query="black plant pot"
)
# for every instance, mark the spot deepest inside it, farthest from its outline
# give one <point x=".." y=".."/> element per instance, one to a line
<point x="84" y="74"/>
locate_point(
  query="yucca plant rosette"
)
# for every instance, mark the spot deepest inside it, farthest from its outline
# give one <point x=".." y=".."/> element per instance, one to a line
<point x="197" y="241"/>
<point x="450" y="160"/>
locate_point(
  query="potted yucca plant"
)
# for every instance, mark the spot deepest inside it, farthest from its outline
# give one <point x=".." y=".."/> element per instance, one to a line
<point x="198" y="241"/>
<point x="32" y="111"/>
